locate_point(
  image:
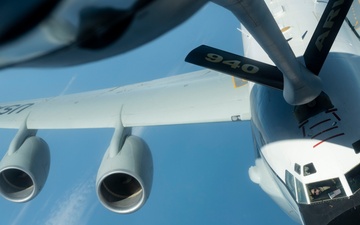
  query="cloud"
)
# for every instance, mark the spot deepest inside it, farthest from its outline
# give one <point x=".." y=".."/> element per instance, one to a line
<point x="21" y="214"/>
<point x="74" y="208"/>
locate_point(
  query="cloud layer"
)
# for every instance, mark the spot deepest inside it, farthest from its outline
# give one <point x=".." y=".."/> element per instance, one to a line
<point x="73" y="208"/>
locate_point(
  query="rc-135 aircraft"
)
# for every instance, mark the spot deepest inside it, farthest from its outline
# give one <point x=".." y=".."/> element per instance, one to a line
<point x="301" y="102"/>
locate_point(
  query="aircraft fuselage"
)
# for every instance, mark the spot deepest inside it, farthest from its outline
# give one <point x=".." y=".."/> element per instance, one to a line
<point x="314" y="147"/>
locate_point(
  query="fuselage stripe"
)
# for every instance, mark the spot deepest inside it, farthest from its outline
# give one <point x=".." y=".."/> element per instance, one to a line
<point x="331" y="110"/>
<point x="332" y="128"/>
<point x="303" y="123"/>
<point x="317" y="124"/>
<point x="337" y="135"/>
<point x="303" y="131"/>
<point x="337" y="117"/>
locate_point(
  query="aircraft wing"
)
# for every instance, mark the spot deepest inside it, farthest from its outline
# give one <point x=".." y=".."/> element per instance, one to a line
<point x="197" y="97"/>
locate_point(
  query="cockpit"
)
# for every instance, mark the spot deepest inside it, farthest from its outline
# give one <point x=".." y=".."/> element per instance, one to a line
<point x="312" y="192"/>
<point x="327" y="189"/>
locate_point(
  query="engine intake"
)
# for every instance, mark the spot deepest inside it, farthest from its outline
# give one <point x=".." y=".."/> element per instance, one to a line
<point x="23" y="173"/>
<point x="124" y="181"/>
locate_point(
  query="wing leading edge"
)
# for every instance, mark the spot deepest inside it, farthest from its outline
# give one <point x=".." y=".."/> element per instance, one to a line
<point x="197" y="97"/>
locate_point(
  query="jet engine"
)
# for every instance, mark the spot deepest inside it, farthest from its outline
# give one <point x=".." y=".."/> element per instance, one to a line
<point x="23" y="172"/>
<point x="124" y="180"/>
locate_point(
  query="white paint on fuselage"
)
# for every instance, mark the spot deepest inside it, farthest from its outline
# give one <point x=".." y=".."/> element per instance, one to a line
<point x="262" y="175"/>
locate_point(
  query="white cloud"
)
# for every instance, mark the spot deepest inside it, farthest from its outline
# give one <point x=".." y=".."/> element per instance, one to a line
<point x="74" y="208"/>
<point x="21" y="214"/>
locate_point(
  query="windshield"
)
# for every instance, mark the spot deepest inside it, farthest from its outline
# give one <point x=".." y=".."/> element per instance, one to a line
<point x="295" y="187"/>
<point x="324" y="190"/>
<point x="353" y="177"/>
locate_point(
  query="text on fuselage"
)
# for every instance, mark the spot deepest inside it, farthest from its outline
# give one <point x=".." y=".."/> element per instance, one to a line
<point x="10" y="109"/>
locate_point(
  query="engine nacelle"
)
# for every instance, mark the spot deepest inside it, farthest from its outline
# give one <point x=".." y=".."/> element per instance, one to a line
<point x="23" y="173"/>
<point x="124" y="181"/>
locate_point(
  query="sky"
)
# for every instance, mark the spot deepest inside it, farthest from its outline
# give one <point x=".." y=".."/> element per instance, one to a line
<point x="200" y="170"/>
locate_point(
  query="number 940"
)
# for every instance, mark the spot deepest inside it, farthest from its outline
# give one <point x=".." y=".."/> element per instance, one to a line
<point x="234" y="64"/>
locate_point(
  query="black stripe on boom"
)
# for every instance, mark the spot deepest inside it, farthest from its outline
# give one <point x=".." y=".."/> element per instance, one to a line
<point x="325" y="34"/>
<point x="237" y="66"/>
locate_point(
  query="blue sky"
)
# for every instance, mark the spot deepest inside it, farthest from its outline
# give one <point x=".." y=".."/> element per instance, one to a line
<point x="201" y="170"/>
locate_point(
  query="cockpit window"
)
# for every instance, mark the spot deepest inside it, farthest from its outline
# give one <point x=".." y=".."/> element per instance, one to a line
<point x="290" y="183"/>
<point x="309" y="169"/>
<point x="300" y="192"/>
<point x="324" y="190"/>
<point x="353" y="177"/>
<point x="297" y="168"/>
<point x="295" y="187"/>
